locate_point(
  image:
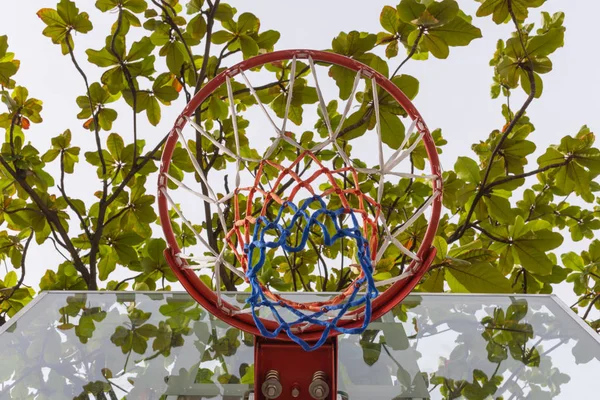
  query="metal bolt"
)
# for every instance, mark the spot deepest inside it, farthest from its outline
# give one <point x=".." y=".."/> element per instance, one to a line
<point x="319" y="389"/>
<point x="271" y="387"/>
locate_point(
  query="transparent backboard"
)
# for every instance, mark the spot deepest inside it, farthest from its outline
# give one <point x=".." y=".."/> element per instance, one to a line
<point x="126" y="345"/>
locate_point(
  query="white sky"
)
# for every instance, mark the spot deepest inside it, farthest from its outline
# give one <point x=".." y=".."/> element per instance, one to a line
<point x="454" y="93"/>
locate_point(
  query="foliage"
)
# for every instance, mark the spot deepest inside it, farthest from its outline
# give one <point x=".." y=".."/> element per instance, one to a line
<point x="504" y="221"/>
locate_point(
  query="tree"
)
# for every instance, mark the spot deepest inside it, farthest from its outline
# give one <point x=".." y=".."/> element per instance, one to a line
<point x="502" y="219"/>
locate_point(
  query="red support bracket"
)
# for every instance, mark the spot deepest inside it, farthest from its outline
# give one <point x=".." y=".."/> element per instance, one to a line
<point x="283" y="371"/>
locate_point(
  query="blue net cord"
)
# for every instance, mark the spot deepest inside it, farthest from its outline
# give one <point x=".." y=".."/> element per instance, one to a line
<point x="258" y="298"/>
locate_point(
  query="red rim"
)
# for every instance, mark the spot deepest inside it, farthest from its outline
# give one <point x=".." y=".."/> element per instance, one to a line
<point x="203" y="294"/>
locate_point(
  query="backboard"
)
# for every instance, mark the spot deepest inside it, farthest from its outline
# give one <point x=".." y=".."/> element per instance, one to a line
<point x="140" y="345"/>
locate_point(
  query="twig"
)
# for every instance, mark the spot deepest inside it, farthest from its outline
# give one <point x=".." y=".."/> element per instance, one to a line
<point x="134" y="170"/>
<point x="91" y="280"/>
<point x="589" y="309"/>
<point x="13" y="122"/>
<point x="62" y="190"/>
<point x="125" y="280"/>
<point x="24" y="256"/>
<point x="491" y="236"/>
<point x="128" y="78"/>
<point x="527" y="174"/>
<point x="209" y="28"/>
<point x="411" y="53"/>
<point x="178" y="32"/>
<point x="482" y="187"/>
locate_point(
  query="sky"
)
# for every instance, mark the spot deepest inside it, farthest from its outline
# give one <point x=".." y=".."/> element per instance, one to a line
<point x="454" y="93"/>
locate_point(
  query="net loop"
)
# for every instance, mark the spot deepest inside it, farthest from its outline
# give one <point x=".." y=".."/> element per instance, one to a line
<point x="259" y="298"/>
<point x="254" y="238"/>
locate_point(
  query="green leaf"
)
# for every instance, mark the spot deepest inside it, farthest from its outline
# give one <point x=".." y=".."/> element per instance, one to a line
<point x="221" y="37"/>
<point x="248" y="24"/>
<point x="140" y="49"/>
<point x="67" y="10"/>
<point x="267" y="39"/>
<point x="500" y="11"/>
<point x="573" y="261"/>
<point x="532" y="259"/>
<point x="224" y="12"/>
<point x="137" y="6"/>
<point x="442" y="247"/>
<point x="477" y="278"/>
<point x="248" y="45"/>
<point x="499" y="209"/>
<point x="389" y="19"/>
<point x="543" y="240"/>
<point x="10" y="279"/>
<point x="392" y="130"/>
<point x="194" y="6"/>
<point x="457" y="32"/>
<point x="153" y="111"/>
<point x="467" y="169"/>
<point x="175" y="54"/>
<point x="408" y="84"/>
<point x="50" y="17"/>
<point x="530" y="250"/>
<point x="391" y="50"/>
<point x="115" y="145"/>
<point x="377" y="63"/>
<point x="444" y="11"/>
<point x="355" y="120"/>
<point x="102" y="58"/>
<point x="344" y="79"/>
<point x="546" y="44"/>
<point x="410" y="10"/>
<point x="526" y="83"/>
<point x="197" y="27"/>
<point x="354" y="44"/>
<point x="7" y="70"/>
<point x="108" y="262"/>
<point x="436" y="46"/>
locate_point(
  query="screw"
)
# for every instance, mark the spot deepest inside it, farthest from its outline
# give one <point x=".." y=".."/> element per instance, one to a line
<point x="295" y="392"/>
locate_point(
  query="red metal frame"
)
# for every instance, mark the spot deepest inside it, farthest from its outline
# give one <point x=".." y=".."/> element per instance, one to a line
<point x="294" y="365"/>
<point x="203" y="294"/>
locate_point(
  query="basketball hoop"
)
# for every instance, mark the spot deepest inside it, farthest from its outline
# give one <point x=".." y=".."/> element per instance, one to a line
<point x="285" y="206"/>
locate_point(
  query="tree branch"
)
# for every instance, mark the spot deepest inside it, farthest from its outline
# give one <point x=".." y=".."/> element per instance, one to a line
<point x="128" y="78"/>
<point x="174" y="27"/>
<point x="527" y="174"/>
<point x="134" y="170"/>
<point x="482" y="187"/>
<point x="91" y="281"/>
<point x="52" y="219"/>
<point x="62" y="190"/>
<point x="20" y="282"/>
<point x="491" y="236"/>
<point x="411" y="53"/>
<point x="589" y="309"/>
<point x="117" y="215"/>
<point x="13" y="122"/>
<point x="125" y="280"/>
<point x="94" y="115"/>
<point x="210" y="21"/>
